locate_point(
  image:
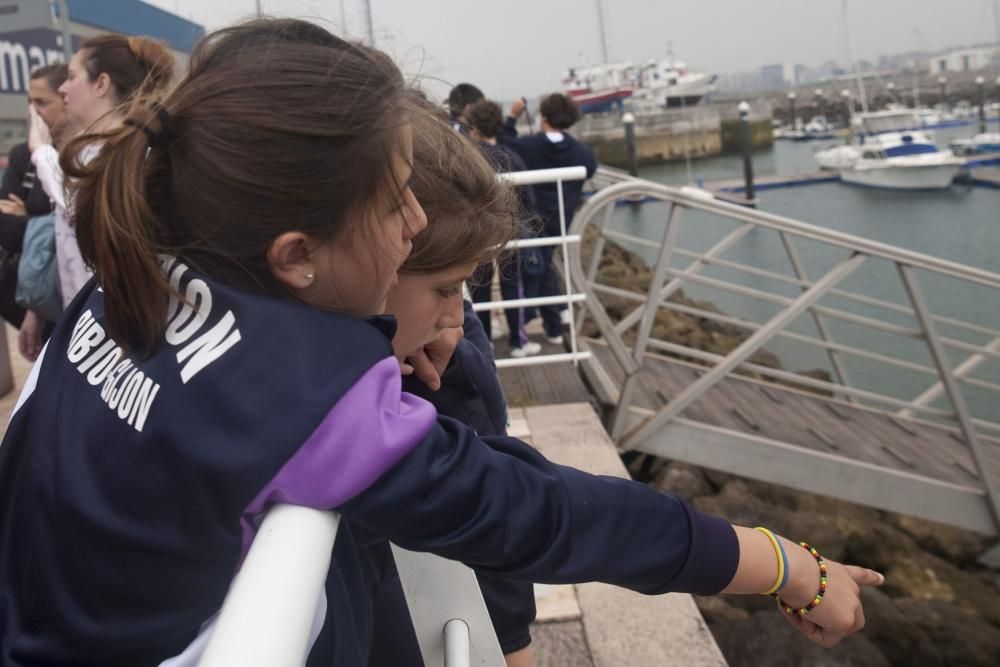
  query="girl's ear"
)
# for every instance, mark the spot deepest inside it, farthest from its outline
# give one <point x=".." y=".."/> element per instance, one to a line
<point x="103" y="86"/>
<point x="290" y="260"/>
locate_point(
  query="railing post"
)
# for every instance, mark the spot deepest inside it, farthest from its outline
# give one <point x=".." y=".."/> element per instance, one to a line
<point x="596" y="252"/>
<point x="670" y="231"/>
<point x="445" y="602"/>
<point x="566" y="275"/>
<point x="456" y="643"/>
<point x="824" y="334"/>
<point x="743" y="351"/>
<point x="971" y="363"/>
<point x="951" y="387"/>
<point x="675" y="283"/>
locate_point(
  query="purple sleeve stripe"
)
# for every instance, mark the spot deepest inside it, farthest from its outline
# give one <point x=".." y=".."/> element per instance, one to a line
<point x="713" y="556"/>
<point x="369" y="429"/>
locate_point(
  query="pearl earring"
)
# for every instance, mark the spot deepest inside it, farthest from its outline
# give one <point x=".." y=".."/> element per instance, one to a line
<point x="310" y="276"/>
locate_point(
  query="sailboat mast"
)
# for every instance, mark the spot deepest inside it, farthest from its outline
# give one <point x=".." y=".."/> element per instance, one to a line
<point x="850" y="56"/>
<point x="604" y="37"/>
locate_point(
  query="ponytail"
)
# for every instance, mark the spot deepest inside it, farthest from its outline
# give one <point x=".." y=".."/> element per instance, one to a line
<point x="117" y="230"/>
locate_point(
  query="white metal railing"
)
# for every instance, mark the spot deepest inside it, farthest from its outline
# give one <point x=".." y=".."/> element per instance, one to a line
<point x="274" y="608"/>
<point x="955" y="346"/>
<point x="564" y="240"/>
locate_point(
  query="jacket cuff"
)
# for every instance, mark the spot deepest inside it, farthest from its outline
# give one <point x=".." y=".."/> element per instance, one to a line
<point x="713" y="557"/>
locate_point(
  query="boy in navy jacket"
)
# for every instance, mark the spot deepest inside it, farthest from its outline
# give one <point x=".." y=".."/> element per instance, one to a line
<point x="551" y="148"/>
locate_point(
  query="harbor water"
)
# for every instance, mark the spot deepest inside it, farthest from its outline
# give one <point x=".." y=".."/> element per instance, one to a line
<point x="961" y="224"/>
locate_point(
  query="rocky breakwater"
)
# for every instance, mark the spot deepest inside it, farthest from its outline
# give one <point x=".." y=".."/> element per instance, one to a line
<point x="937" y="607"/>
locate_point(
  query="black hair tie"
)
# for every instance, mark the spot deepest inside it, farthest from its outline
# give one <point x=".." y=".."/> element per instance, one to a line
<point x="159" y="137"/>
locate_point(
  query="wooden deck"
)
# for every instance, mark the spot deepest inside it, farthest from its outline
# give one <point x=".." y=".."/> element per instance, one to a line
<point x="829" y="428"/>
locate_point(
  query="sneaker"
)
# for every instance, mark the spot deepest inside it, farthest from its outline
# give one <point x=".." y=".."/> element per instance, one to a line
<point x="529" y="349"/>
<point x="555" y="340"/>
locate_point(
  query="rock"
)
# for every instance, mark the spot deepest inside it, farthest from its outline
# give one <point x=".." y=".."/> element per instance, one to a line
<point x="958" y="637"/>
<point x="958" y="546"/>
<point x="880" y="546"/>
<point x="923" y="576"/>
<point x="684" y="480"/>
<point x="767" y="639"/>
<point x="898" y="635"/>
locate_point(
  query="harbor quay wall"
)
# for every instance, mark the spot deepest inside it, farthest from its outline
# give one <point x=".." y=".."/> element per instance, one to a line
<point x="667" y="135"/>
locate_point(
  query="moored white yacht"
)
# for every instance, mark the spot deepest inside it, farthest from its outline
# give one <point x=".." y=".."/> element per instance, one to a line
<point x="893" y="153"/>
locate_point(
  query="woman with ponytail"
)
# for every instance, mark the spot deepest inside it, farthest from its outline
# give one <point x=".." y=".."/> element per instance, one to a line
<point x="244" y="230"/>
<point x="105" y="76"/>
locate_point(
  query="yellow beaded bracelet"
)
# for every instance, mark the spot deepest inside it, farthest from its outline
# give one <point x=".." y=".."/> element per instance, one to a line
<point x="779" y="551"/>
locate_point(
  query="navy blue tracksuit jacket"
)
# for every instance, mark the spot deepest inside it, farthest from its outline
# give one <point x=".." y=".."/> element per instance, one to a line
<point x="131" y="488"/>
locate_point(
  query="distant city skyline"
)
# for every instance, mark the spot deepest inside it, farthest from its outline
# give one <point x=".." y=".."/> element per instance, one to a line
<point x="523" y="46"/>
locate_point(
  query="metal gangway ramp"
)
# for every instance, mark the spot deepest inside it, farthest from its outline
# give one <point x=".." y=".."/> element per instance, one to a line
<point x="907" y="420"/>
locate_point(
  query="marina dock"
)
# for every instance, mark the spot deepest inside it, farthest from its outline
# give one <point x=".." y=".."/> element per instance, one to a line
<point x="987" y="177"/>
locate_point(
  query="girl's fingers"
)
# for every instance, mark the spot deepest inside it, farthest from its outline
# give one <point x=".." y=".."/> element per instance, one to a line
<point x="862" y="576"/>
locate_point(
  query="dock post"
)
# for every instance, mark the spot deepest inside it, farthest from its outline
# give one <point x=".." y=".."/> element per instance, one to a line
<point x="746" y="143"/>
<point x="943" y="91"/>
<point x="630" y="155"/>
<point x="791" y="110"/>
<point x="981" y="91"/>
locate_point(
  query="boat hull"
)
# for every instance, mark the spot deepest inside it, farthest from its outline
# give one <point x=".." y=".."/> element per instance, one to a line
<point x="929" y="177"/>
<point x="601" y="101"/>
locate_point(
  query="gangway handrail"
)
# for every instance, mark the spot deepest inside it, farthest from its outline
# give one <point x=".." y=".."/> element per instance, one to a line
<point x="953" y="377"/>
<point x="780" y="223"/>
<point x="270" y="613"/>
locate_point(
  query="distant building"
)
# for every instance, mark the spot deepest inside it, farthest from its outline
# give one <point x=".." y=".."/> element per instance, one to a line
<point x="963" y="60"/>
<point x="773" y="77"/>
<point x="31" y="36"/>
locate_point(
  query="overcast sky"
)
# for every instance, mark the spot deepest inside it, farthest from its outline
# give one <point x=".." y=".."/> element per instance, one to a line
<point x="516" y="47"/>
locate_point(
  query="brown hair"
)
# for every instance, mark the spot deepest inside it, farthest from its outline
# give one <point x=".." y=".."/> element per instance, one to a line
<point x="471" y="214"/>
<point x="561" y="111"/>
<point x="485" y="117"/>
<point x="135" y="65"/>
<point x="278" y="126"/>
<point x="54" y="75"/>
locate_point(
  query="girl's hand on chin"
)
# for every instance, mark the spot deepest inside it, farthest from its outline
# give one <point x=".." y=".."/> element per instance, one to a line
<point x="429" y="362"/>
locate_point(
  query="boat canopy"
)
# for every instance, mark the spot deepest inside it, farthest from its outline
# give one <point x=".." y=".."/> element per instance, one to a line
<point x="910" y="149"/>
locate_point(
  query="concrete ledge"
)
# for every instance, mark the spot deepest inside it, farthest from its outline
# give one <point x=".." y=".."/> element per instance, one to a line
<point x="622" y="627"/>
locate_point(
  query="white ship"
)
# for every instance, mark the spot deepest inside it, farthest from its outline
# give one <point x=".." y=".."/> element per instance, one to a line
<point x="667" y="82"/>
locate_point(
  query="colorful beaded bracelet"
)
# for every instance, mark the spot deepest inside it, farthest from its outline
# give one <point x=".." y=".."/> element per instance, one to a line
<point x="802" y="611"/>
<point x="779" y="551"/>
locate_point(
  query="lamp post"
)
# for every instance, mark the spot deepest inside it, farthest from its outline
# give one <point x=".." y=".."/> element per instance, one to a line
<point x="820" y="102"/>
<point x="943" y="90"/>
<point x="891" y="90"/>
<point x="791" y="109"/>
